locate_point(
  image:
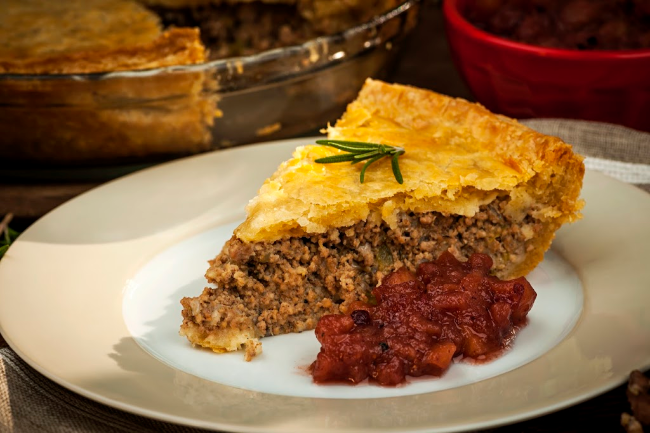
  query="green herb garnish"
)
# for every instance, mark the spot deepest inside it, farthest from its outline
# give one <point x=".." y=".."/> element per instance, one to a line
<point x="7" y="235"/>
<point x="360" y="151"/>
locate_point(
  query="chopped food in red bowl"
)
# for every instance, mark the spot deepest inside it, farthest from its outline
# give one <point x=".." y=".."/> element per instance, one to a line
<point x="580" y="59"/>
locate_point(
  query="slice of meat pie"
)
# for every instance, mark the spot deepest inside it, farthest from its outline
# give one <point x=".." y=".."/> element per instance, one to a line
<point x="316" y="239"/>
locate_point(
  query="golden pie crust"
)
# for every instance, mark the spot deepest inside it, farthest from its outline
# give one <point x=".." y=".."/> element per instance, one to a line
<point x="323" y="16"/>
<point x="458" y="157"/>
<point x="86" y="36"/>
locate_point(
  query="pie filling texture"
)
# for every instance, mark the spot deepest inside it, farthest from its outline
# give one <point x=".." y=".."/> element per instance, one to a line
<point x="243" y="28"/>
<point x="316" y="240"/>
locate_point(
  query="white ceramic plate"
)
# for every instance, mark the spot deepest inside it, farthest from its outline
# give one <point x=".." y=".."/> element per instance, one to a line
<point x="66" y="285"/>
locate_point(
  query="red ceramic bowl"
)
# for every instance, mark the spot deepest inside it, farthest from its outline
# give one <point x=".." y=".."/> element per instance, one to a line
<point x="523" y="81"/>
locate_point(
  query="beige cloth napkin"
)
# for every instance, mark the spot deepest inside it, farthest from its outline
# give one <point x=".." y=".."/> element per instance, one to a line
<point x="31" y="403"/>
<point x="617" y="151"/>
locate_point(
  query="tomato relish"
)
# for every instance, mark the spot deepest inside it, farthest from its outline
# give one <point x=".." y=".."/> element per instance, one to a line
<point x="421" y="322"/>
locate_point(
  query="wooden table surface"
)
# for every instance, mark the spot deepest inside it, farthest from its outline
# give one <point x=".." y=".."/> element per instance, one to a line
<point x="426" y="63"/>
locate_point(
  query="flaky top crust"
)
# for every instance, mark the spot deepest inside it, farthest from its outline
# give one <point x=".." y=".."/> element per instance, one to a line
<point x="458" y="157"/>
<point x="86" y="36"/>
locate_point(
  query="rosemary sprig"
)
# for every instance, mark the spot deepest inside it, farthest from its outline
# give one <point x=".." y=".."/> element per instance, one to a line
<point x="7" y="235"/>
<point x="361" y="151"/>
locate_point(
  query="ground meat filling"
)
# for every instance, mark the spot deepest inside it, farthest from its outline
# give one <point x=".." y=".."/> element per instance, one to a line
<point x="287" y="285"/>
<point x="241" y="29"/>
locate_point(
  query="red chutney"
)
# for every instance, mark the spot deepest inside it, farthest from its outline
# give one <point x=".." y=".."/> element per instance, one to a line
<point x="421" y="322"/>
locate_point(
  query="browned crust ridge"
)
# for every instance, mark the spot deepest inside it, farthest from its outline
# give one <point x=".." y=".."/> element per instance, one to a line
<point x="177" y="46"/>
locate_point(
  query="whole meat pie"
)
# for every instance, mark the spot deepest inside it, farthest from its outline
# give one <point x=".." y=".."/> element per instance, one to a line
<point x="316" y="239"/>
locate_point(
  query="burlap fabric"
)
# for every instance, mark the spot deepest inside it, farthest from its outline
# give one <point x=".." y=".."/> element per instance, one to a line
<point x="31" y="403"/>
<point x="617" y="151"/>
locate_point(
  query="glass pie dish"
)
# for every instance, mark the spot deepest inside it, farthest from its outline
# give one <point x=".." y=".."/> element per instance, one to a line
<point x="58" y="122"/>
